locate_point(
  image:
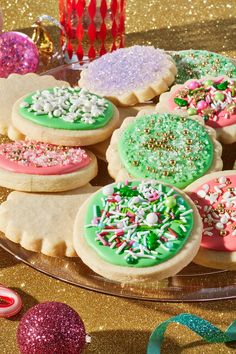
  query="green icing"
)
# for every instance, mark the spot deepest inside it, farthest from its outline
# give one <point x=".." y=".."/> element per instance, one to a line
<point x="166" y="147"/>
<point x="195" y="64"/>
<point x="161" y="240"/>
<point x="58" y="123"/>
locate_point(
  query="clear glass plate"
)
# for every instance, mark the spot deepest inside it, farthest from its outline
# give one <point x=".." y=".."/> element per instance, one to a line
<point x="194" y="283"/>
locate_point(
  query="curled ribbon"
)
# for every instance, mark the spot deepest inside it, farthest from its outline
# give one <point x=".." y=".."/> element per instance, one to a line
<point x="11" y="302"/>
<point x="203" y="328"/>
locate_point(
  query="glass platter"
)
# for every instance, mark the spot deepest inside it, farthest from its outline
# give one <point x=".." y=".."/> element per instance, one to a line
<point x="194" y="283"/>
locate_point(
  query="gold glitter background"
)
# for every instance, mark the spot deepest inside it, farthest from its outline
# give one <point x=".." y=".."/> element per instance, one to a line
<point x="169" y="24"/>
<point x="122" y="326"/>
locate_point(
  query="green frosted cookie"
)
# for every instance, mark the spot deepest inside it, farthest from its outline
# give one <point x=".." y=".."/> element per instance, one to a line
<point x="136" y="231"/>
<point x="164" y="217"/>
<point x="195" y="64"/>
<point x="69" y="108"/>
<point x="165" y="147"/>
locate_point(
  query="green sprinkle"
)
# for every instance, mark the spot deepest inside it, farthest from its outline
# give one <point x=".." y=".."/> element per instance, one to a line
<point x="170" y="202"/>
<point x="222" y="86"/>
<point x="180" y="102"/>
<point x="152" y="241"/>
<point x="131" y="260"/>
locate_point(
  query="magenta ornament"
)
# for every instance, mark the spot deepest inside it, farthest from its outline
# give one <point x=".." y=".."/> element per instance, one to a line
<point x="18" y="54"/>
<point x="51" y="327"/>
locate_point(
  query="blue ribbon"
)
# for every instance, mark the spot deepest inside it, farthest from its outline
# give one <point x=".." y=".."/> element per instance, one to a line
<point x="203" y="328"/>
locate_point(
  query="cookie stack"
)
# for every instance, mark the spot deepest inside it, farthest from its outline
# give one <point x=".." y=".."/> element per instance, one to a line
<point x="170" y="202"/>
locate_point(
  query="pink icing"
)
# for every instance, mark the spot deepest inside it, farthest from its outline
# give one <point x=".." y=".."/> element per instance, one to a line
<point x="220" y="118"/>
<point x="216" y="202"/>
<point x="41" y="159"/>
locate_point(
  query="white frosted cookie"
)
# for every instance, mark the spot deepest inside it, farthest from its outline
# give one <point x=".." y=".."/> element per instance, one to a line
<point x="65" y="116"/>
<point x="43" y="222"/>
<point x="137" y="231"/>
<point x="38" y="167"/>
<point x="130" y="75"/>
<point x="166" y="147"/>
<point x="14" y="87"/>
<point x="215" y="197"/>
<point x="100" y="149"/>
<point x="212" y="98"/>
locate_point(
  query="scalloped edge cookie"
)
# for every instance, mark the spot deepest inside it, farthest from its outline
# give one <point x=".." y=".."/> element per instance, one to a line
<point x="43" y="222"/>
<point x="14" y="87"/>
<point x="206" y="257"/>
<point x="37" y="132"/>
<point x="49" y="183"/>
<point x="226" y="135"/>
<point x="126" y="274"/>
<point x="118" y="171"/>
<point x="141" y="95"/>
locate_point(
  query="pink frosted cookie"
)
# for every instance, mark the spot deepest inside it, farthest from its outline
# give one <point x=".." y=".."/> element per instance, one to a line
<point x="130" y="75"/>
<point x="38" y="167"/>
<point x="214" y="99"/>
<point x="215" y="198"/>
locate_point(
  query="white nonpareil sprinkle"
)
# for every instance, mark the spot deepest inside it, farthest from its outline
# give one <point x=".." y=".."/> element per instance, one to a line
<point x="69" y="104"/>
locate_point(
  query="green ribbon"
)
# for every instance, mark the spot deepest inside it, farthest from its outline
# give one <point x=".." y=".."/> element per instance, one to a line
<point x="203" y="328"/>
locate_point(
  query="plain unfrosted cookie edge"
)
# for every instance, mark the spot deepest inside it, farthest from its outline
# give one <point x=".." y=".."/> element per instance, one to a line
<point x="125" y="274"/>
<point x="33" y="240"/>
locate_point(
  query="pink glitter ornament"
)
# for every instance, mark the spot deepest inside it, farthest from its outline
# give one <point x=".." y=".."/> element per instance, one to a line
<point x="1" y="21"/>
<point x="18" y="54"/>
<point x="51" y="327"/>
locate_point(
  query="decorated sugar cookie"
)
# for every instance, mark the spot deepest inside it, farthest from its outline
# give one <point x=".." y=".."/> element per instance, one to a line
<point x="137" y="230"/>
<point x="214" y="99"/>
<point x="166" y="147"/>
<point x="65" y="116"/>
<point x="14" y="87"/>
<point x="215" y="198"/>
<point x="130" y="75"/>
<point x="195" y="64"/>
<point x="43" y="222"/>
<point x="38" y="167"/>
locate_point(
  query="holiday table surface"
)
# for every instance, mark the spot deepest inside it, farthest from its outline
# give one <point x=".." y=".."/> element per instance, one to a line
<point x="119" y="325"/>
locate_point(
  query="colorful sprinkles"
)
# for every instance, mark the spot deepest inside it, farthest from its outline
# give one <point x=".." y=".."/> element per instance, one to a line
<point x="166" y="147"/>
<point x="36" y="154"/>
<point x="67" y="103"/>
<point x="214" y="100"/>
<point x="216" y="202"/>
<point x="138" y="223"/>
<point x="195" y="64"/>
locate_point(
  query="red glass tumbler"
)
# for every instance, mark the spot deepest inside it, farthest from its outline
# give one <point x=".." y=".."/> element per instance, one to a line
<point x="93" y="27"/>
